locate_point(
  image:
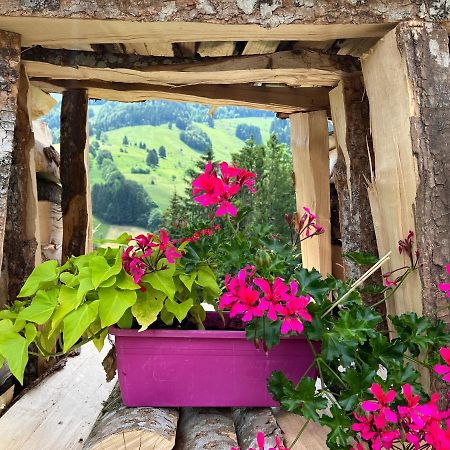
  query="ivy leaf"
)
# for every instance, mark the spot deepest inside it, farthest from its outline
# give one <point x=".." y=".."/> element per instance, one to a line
<point x="188" y="280"/>
<point x="162" y="280"/>
<point x="125" y="281"/>
<point x="383" y="350"/>
<point x="113" y="304"/>
<point x="361" y="258"/>
<point x="86" y="285"/>
<point x="41" y="308"/>
<point x="167" y="317"/>
<point x="358" y="382"/>
<point x="99" y="270"/>
<point x="310" y="282"/>
<point x="14" y="347"/>
<point x="147" y="307"/>
<point x="413" y="331"/>
<point x="278" y="384"/>
<point x="315" y="329"/>
<point x="336" y="348"/>
<point x="340" y="426"/>
<point x="77" y="322"/>
<point x="69" y="279"/>
<point x="179" y="310"/>
<point x="68" y="302"/>
<point x="207" y="279"/>
<point x="42" y="274"/>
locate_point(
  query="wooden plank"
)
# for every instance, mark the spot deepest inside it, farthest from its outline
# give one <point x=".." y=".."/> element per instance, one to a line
<point x="310" y="154"/>
<point x="215" y="49"/>
<point x="287" y="100"/>
<point x="22" y="240"/>
<point x="74" y="32"/>
<point x="393" y="189"/>
<point x="9" y="77"/>
<point x="350" y="112"/>
<point x="59" y="412"/>
<point x="316" y="45"/>
<point x="313" y="438"/>
<point x="150" y="49"/>
<point x="185" y="49"/>
<point x="118" y="427"/>
<point x="260" y="47"/>
<point x="357" y="47"/>
<point x="41" y="103"/>
<point x="74" y="172"/>
<point x="308" y="68"/>
<point x="202" y="428"/>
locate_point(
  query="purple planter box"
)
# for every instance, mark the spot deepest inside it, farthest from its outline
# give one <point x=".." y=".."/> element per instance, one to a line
<point x="215" y="368"/>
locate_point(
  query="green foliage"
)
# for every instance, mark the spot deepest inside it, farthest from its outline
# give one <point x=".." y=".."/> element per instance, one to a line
<point x="361" y="258"/>
<point x="78" y="302"/>
<point x="245" y="132"/>
<point x="196" y="138"/>
<point x="152" y="159"/>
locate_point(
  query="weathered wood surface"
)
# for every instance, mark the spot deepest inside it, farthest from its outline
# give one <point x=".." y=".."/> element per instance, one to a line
<point x="73" y="145"/>
<point x="310" y="154"/>
<point x="249" y="422"/>
<point x="260" y="47"/>
<point x="206" y="428"/>
<point x="120" y="427"/>
<point x="302" y="68"/>
<point x="216" y="49"/>
<point x="41" y="103"/>
<point x="9" y="79"/>
<point x="59" y="412"/>
<point x="22" y="239"/>
<point x="288" y="100"/>
<point x="352" y="172"/>
<point x="269" y="14"/>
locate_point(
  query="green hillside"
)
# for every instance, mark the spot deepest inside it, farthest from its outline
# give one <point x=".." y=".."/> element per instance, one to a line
<point x="167" y="178"/>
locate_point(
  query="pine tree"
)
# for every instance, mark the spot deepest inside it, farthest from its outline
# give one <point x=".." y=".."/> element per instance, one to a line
<point x="152" y="158"/>
<point x="125" y="140"/>
<point x="162" y="152"/>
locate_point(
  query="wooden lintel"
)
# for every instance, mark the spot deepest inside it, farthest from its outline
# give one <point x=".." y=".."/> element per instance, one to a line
<point x="288" y="100"/>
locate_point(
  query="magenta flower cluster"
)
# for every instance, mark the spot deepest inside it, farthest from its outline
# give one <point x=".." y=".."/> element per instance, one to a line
<point x="145" y="253"/>
<point x="218" y="184"/>
<point x="253" y="297"/>
<point x="420" y="425"/>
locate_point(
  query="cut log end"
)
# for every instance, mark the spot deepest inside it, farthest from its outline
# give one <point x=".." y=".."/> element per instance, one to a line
<point x="120" y="427"/>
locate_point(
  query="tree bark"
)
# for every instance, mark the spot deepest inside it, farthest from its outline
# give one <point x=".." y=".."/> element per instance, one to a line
<point x="73" y="171"/>
<point x="354" y="165"/>
<point x="206" y="428"/>
<point x="119" y="427"/>
<point x="250" y="421"/>
<point x="9" y="79"/>
<point x="22" y="224"/>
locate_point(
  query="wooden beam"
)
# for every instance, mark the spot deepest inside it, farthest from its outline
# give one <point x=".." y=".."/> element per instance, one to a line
<point x="9" y="77"/>
<point x="260" y="47"/>
<point x="41" y="103"/>
<point x="350" y="112"/>
<point x="73" y="32"/>
<point x="302" y="68"/>
<point x="309" y="145"/>
<point x="407" y="81"/>
<point x="150" y="49"/>
<point x="22" y="239"/>
<point x="286" y="99"/>
<point x="185" y="49"/>
<point x="215" y="49"/>
<point x="74" y="172"/>
<point x="357" y="47"/>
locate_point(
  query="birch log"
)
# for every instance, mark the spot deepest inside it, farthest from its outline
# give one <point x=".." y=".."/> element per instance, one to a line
<point x="206" y="428"/>
<point x="118" y="427"/>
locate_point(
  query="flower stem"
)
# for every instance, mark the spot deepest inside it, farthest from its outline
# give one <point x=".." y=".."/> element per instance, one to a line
<point x="299" y="434"/>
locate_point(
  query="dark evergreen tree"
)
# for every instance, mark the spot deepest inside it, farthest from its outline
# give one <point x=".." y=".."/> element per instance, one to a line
<point x="162" y="152"/>
<point x="152" y="158"/>
<point x="125" y="140"/>
<point x="245" y="132"/>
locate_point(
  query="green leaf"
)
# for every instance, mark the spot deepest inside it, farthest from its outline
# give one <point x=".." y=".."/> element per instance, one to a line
<point x="167" y="317"/>
<point x="48" y="336"/>
<point x="310" y="282"/>
<point x="361" y="258"/>
<point x="122" y="239"/>
<point x="126" y="321"/>
<point x="179" y="310"/>
<point x="113" y="304"/>
<point x="2" y="361"/>
<point x="111" y="281"/>
<point x="147" y="307"/>
<point x="265" y="331"/>
<point x="125" y="281"/>
<point x="86" y="285"/>
<point x="14" y="348"/>
<point x="41" y="307"/>
<point x="69" y="279"/>
<point x="207" y="279"/>
<point x="99" y="270"/>
<point x="99" y="342"/>
<point x="41" y="275"/>
<point x="77" y="322"/>
<point x="358" y="382"/>
<point x="68" y="302"/>
<point x="162" y="280"/>
<point x="340" y="426"/>
<point x="188" y="280"/>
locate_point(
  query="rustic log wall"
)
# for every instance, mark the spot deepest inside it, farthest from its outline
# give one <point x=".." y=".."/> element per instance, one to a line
<point x="9" y="77"/>
<point x="22" y="240"/>
<point x="73" y="145"/>
<point x="265" y="12"/>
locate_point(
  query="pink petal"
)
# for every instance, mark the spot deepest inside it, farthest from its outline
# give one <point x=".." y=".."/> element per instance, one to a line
<point x="445" y="353"/>
<point x="369" y="406"/>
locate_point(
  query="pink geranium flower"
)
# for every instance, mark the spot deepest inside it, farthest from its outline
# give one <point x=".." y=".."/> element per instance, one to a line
<point x="260" y="443"/>
<point x="274" y="294"/>
<point x="381" y="405"/>
<point x="443" y="369"/>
